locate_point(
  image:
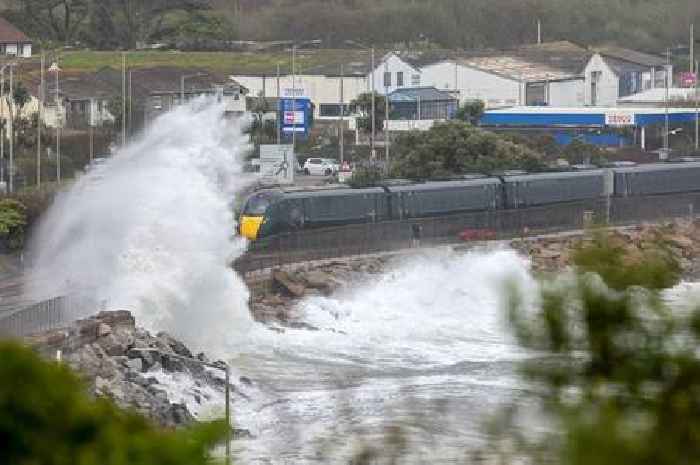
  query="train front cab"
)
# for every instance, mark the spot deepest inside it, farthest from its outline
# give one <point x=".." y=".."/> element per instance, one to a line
<point x="255" y="215"/>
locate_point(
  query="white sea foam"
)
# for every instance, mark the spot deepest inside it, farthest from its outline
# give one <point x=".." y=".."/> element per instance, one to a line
<point x="152" y="230"/>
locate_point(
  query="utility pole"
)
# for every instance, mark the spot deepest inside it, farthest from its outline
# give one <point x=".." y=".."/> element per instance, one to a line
<point x="39" y="122"/>
<point x="4" y="127"/>
<point x="539" y="31"/>
<point x="58" y="127"/>
<point x="131" y="106"/>
<point x="692" y="48"/>
<point x="12" y="131"/>
<point x="294" y="99"/>
<point x="697" y="112"/>
<point x="124" y="99"/>
<point x="373" y="154"/>
<point x="666" y="98"/>
<point x="386" y="121"/>
<point x="279" y="108"/>
<point x="341" y="134"/>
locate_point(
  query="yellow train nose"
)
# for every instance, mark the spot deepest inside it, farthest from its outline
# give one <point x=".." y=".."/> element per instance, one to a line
<point x="250" y="225"/>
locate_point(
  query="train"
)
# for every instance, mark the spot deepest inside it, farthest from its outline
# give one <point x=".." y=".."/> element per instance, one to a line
<point x="280" y="210"/>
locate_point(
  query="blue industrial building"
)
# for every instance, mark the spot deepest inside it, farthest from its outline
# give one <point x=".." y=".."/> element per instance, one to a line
<point x="595" y="125"/>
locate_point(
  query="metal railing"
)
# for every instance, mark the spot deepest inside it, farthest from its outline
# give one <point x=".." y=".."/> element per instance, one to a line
<point x="47" y="315"/>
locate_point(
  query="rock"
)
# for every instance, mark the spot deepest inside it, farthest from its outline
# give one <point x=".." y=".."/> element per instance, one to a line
<point x="173" y="364"/>
<point x="113" y="345"/>
<point x="118" y="318"/>
<point x="135" y="365"/>
<point x="103" y="330"/>
<point x="285" y="281"/>
<point x="318" y="279"/>
<point x="176" y="346"/>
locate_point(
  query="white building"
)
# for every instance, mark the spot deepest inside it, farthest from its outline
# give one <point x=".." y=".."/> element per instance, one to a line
<point x="323" y="90"/>
<point x="544" y="74"/>
<point x="14" y="42"/>
<point x="613" y="73"/>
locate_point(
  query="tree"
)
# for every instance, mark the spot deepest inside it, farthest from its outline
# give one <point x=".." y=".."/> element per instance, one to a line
<point x="47" y="418"/>
<point x="618" y="368"/>
<point x="61" y="18"/>
<point x="363" y="106"/>
<point x="454" y="148"/>
<point x="471" y="111"/>
<point x="13" y="220"/>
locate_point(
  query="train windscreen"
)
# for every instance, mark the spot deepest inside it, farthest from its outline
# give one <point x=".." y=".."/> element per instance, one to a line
<point x="257" y="204"/>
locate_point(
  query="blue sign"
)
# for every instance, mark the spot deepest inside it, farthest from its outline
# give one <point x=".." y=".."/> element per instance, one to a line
<point x="296" y="115"/>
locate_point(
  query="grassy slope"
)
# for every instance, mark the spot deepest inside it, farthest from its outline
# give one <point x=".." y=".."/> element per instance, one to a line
<point x="230" y="62"/>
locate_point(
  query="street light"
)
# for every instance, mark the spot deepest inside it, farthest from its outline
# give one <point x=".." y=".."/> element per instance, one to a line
<point x="182" y="84"/>
<point x="55" y="69"/>
<point x="227" y="371"/>
<point x="373" y="91"/>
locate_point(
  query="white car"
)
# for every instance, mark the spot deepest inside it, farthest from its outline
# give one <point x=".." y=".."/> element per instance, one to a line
<point x="320" y="167"/>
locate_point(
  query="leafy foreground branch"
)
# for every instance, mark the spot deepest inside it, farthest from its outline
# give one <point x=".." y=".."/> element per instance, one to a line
<point x="619" y="372"/>
<point x="46" y="418"/>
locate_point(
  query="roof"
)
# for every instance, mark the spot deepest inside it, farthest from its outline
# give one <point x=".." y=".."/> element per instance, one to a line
<point x="631" y="56"/>
<point x="9" y="33"/>
<point x="622" y="67"/>
<point x="425" y="94"/>
<point x="581" y="116"/>
<point x="164" y="79"/>
<point x="658" y="94"/>
<point x="73" y="86"/>
<point x="540" y="62"/>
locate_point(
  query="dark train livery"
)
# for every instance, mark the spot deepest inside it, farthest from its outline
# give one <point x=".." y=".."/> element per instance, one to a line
<point x="274" y="211"/>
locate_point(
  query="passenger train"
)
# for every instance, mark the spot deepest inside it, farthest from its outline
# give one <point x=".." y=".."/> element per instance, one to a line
<point x="279" y="210"/>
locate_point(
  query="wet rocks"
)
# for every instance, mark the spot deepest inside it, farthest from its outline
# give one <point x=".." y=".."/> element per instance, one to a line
<point x="682" y="238"/>
<point x="118" y="360"/>
<point x="274" y="299"/>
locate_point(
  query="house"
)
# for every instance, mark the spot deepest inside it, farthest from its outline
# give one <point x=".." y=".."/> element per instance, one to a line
<point x="14" y="42"/>
<point x="322" y="84"/>
<point x="422" y="103"/>
<point x="613" y="73"/>
<point x="156" y="90"/>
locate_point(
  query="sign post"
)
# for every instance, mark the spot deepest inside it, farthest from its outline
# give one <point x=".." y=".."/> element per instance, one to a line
<point x="277" y="164"/>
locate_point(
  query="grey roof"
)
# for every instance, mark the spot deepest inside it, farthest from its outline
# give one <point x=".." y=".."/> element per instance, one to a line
<point x="538" y="62"/>
<point x="623" y="67"/>
<point x="631" y="56"/>
<point x="425" y="94"/>
<point x="558" y="175"/>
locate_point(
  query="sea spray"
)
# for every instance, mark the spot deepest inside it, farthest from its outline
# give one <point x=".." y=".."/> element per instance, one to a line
<point x="152" y="230"/>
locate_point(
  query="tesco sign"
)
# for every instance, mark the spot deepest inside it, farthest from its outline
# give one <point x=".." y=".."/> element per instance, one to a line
<point x="619" y="119"/>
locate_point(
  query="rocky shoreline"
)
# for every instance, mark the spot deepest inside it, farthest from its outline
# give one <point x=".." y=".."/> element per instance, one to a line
<point x="107" y="350"/>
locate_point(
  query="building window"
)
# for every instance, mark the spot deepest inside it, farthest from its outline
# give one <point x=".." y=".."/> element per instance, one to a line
<point x="399" y="79"/>
<point x="415" y="80"/>
<point x="330" y="110"/>
<point x="387" y="79"/>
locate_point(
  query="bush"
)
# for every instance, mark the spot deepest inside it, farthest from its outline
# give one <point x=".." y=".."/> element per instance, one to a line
<point x="13" y="221"/>
<point x="47" y="418"/>
<point x="457" y="147"/>
<point x="365" y="176"/>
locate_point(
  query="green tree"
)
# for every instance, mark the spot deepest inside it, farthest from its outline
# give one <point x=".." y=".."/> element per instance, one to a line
<point x="363" y="106"/>
<point x="47" y="418"/>
<point x="618" y="368"/>
<point x="13" y="220"/>
<point x="471" y="111"/>
<point x="456" y="147"/>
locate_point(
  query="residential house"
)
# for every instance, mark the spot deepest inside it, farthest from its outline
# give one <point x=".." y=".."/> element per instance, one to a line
<point x="153" y="91"/>
<point x="82" y="101"/>
<point x="14" y="42"/>
<point x="613" y="73"/>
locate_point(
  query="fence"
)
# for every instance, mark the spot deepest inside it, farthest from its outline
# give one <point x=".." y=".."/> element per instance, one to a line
<point x="47" y="315"/>
<point x="360" y="239"/>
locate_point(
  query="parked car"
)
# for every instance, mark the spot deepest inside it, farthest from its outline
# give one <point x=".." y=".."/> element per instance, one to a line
<point x="321" y="167"/>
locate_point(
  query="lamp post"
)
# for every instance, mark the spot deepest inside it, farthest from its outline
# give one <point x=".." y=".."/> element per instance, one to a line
<point x="227" y="372"/>
<point x="55" y="69"/>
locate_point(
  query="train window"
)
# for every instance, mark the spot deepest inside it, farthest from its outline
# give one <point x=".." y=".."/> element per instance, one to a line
<point x="257" y="204"/>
